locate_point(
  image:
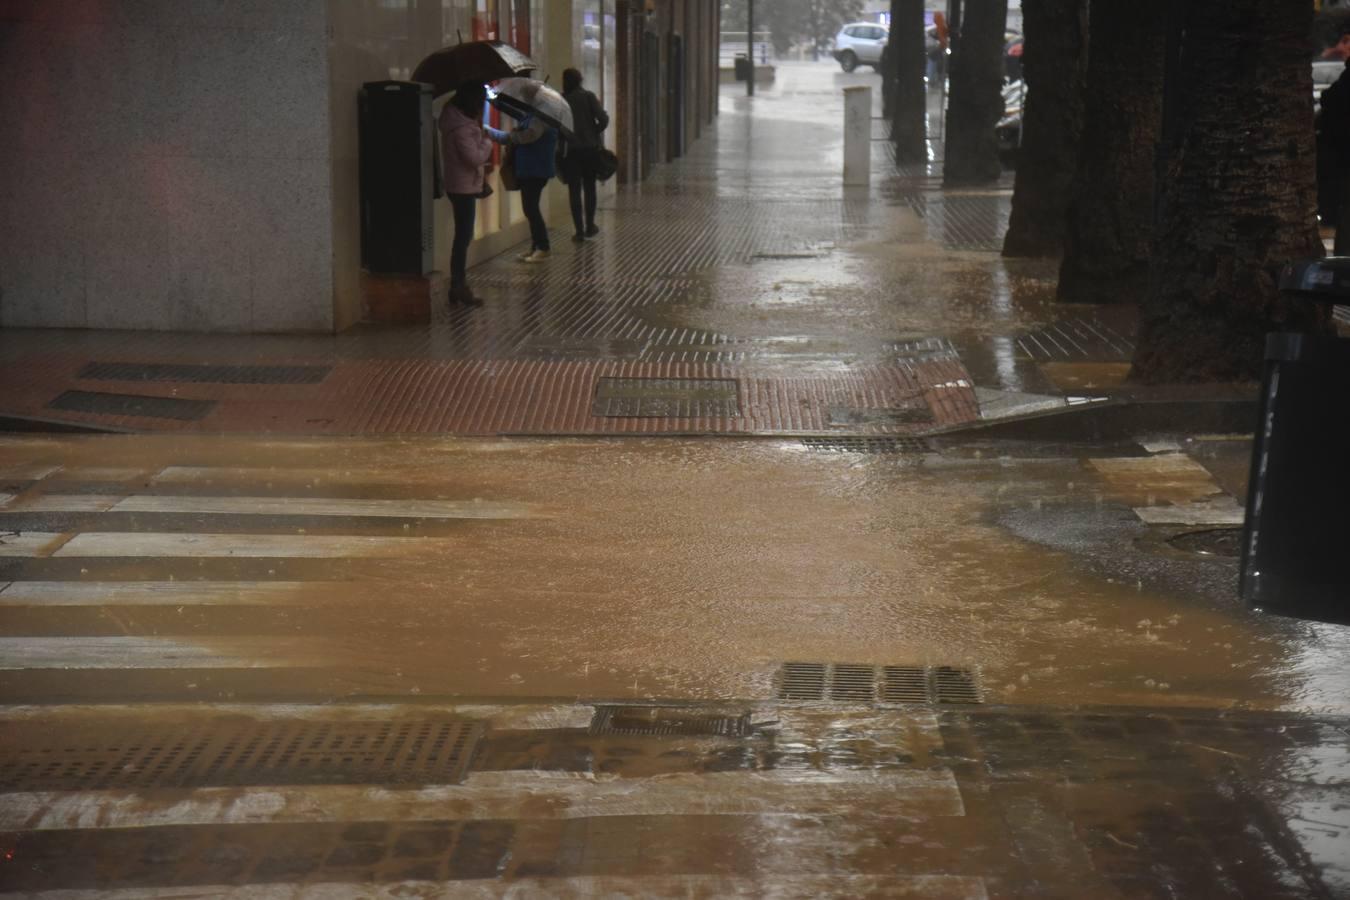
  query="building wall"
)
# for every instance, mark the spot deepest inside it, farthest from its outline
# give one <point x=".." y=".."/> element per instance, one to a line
<point x="192" y="166"/>
<point x="165" y="165"/>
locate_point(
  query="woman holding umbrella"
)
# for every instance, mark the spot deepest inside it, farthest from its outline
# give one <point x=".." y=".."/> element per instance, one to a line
<point x="535" y="142"/>
<point x="465" y="151"/>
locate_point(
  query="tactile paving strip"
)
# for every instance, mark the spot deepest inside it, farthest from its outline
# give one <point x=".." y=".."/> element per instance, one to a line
<point x="425" y="751"/>
<point x="203" y="374"/>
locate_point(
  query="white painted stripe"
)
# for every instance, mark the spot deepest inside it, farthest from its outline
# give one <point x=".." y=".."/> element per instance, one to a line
<point x="29" y="544"/>
<point x="5" y="499"/>
<point x="127" y="652"/>
<point x="928" y="887"/>
<point x="499" y="795"/>
<point x="160" y="593"/>
<point x="28" y="472"/>
<point x="1219" y="511"/>
<point x="66" y="503"/>
<point x="323" y="506"/>
<point x="102" y="473"/>
<point x="259" y="475"/>
<point x="306" y="546"/>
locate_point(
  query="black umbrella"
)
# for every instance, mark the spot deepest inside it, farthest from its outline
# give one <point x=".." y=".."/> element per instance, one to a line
<point x="476" y="61"/>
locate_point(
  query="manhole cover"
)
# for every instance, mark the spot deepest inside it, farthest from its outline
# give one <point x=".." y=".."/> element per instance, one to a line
<point x="1225" y="542"/>
<point x="884" y="685"/>
<point x="684" y="398"/>
<point x="425" y="751"/>
<point x="867" y="445"/>
<point x="667" y="720"/>
<point x="204" y="374"/>
<point x="132" y="405"/>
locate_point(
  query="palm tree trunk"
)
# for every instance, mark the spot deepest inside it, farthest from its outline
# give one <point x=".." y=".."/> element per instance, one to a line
<point x="908" y="59"/>
<point x="1110" y="220"/>
<point x="1053" y="67"/>
<point x="976" y="102"/>
<point x="1239" y="194"/>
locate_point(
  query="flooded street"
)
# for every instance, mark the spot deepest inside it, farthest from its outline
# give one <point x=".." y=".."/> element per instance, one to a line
<point x="881" y="618"/>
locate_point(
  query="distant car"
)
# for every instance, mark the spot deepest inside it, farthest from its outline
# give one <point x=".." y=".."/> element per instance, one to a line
<point x="860" y="43"/>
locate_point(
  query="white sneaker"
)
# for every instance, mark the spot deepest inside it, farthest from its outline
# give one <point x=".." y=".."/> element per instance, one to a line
<point x="526" y="256"/>
<point x="537" y="256"/>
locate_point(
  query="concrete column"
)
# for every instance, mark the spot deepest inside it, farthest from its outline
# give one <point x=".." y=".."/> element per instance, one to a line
<point x="857" y="135"/>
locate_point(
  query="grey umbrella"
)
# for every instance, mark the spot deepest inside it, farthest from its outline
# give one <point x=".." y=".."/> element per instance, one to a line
<point x="531" y="97"/>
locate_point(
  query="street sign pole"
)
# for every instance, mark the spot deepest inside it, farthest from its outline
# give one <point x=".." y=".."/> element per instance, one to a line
<point x="750" y="46"/>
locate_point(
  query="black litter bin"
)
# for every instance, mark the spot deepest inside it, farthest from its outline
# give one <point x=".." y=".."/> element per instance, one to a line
<point x="745" y="70"/>
<point x="1296" y="539"/>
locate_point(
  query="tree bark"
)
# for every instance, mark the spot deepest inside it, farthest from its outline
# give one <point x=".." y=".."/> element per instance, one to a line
<point x="976" y="102"/>
<point x="909" y="60"/>
<point x="1110" y="218"/>
<point x="1053" y="67"/>
<point x="1238" y="198"/>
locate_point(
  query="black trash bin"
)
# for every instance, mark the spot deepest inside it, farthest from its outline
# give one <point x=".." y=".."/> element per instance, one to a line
<point x="745" y="70"/>
<point x="1296" y="539"/>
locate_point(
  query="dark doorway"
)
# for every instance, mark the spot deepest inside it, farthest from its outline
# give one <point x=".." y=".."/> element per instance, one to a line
<point x="675" y="98"/>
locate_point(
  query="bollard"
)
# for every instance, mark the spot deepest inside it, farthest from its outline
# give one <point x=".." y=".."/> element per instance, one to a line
<point x="857" y="135"/>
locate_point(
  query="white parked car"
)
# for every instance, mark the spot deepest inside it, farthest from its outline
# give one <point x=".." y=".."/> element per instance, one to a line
<point x="860" y="44"/>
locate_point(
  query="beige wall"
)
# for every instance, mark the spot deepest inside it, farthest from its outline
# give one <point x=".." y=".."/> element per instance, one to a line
<point x="165" y="165"/>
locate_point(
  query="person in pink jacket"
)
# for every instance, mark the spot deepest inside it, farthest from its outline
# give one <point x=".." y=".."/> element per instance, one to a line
<point x="465" y="152"/>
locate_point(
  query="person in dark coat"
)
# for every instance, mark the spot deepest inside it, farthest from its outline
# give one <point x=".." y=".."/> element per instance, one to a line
<point x="1333" y="140"/>
<point x="589" y="120"/>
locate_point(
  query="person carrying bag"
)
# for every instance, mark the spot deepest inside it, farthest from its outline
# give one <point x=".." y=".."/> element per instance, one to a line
<point x="583" y="161"/>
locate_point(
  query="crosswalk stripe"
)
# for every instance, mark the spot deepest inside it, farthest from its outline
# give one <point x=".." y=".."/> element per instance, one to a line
<point x="65" y="503"/>
<point x="127" y="652"/>
<point x="516" y="795"/>
<point x="28" y="472"/>
<point x="323" y="506"/>
<point x="930" y="887"/>
<point x="158" y="593"/>
<point x="28" y="544"/>
<point x="259" y="546"/>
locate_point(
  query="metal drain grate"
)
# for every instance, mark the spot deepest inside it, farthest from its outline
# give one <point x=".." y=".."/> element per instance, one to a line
<point x="133" y="405"/>
<point x="426" y="751"/>
<point x="887" y="685"/>
<point x="867" y="444"/>
<point x="204" y="374"/>
<point x="683" y="398"/>
<point x="659" y="721"/>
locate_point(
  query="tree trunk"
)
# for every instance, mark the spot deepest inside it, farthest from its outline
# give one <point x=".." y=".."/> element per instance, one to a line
<point x="909" y="60"/>
<point x="1053" y="67"/>
<point x="1110" y="220"/>
<point x="1239" y="194"/>
<point x="976" y="102"/>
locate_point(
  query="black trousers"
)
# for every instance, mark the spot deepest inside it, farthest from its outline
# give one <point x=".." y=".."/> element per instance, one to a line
<point x="465" y="207"/>
<point x="531" y="189"/>
<point x="582" y="181"/>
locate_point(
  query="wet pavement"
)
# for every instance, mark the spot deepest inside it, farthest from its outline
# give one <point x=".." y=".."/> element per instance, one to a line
<point x="891" y="656"/>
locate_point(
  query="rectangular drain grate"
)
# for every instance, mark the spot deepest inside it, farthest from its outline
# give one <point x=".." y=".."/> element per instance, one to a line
<point x="885" y="685"/>
<point x="658" y="721"/>
<point x="425" y="751"/>
<point x="873" y="445"/>
<point x="133" y="405"/>
<point x="204" y="374"/>
<point x="685" y="398"/>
